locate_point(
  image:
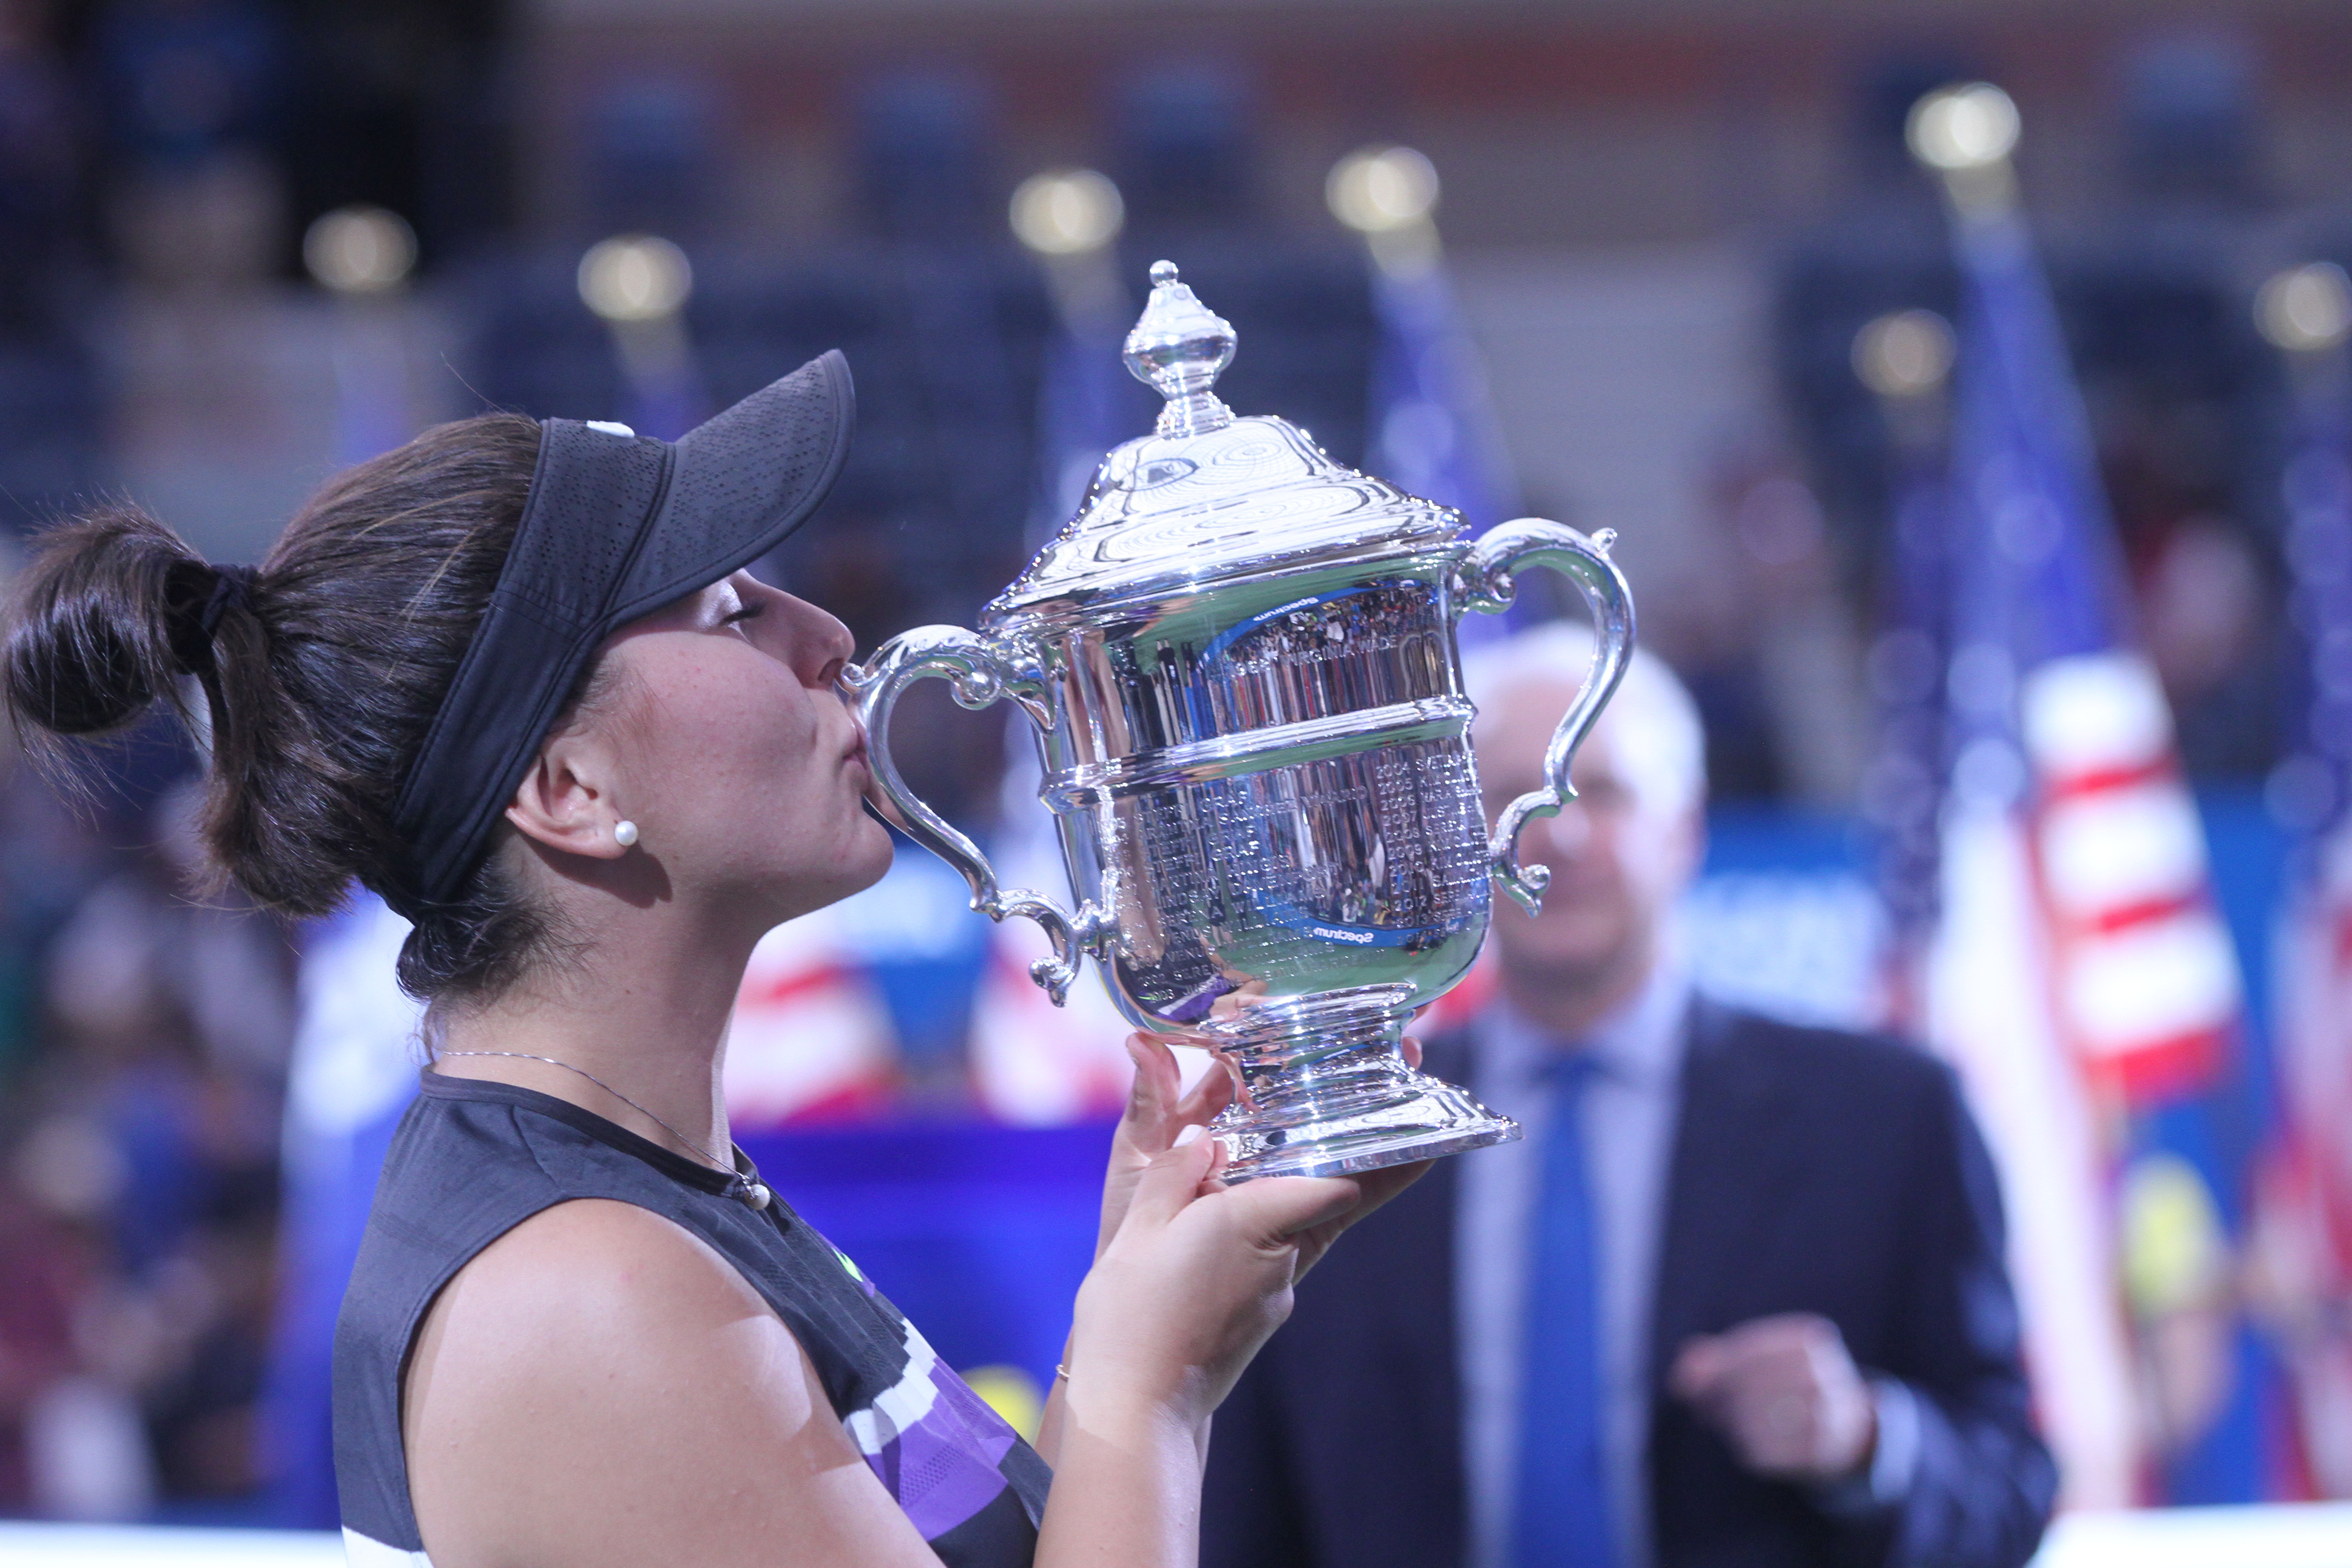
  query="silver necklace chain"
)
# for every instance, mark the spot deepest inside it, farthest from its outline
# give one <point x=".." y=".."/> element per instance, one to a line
<point x="748" y="1188"/>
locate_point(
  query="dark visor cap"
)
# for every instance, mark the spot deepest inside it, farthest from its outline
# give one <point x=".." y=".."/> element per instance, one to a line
<point x="615" y="527"/>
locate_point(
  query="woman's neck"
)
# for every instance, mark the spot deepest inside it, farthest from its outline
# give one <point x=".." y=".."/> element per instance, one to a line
<point x="639" y="1007"/>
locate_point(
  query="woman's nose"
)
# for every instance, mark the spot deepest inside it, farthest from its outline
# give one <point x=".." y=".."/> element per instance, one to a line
<point x="821" y="643"/>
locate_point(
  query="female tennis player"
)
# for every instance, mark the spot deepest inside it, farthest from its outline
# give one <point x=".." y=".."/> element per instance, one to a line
<point x="515" y="677"/>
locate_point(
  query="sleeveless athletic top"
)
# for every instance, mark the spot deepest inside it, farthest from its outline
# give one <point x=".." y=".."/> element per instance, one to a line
<point x="473" y="1159"/>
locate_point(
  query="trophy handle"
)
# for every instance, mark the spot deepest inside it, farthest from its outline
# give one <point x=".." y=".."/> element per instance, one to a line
<point x="1487" y="586"/>
<point x="980" y="671"/>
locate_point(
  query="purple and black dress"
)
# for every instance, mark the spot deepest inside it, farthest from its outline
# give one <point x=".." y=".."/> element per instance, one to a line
<point x="472" y="1160"/>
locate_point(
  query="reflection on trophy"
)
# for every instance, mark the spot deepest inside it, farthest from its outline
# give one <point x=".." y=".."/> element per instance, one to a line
<point x="1240" y="661"/>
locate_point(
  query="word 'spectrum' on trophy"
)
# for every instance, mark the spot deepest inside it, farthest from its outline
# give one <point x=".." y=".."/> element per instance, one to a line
<point x="1241" y="663"/>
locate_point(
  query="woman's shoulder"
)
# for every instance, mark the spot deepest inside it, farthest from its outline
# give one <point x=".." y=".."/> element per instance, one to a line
<point x="583" y="1296"/>
<point x="604" y="1345"/>
<point x="586" y="1265"/>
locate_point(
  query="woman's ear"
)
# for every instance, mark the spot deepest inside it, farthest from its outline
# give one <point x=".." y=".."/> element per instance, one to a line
<point x="565" y="802"/>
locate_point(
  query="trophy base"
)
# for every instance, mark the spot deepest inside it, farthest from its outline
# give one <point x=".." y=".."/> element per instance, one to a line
<point x="1323" y="1092"/>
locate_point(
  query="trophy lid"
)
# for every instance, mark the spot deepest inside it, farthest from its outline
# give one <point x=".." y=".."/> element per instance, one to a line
<point x="1208" y="496"/>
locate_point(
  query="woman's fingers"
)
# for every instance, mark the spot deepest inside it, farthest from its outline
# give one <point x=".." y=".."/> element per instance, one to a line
<point x="1221" y="1154"/>
<point x="1269" y="1211"/>
<point x="1170" y="1181"/>
<point x="1381" y="1185"/>
<point x="1410" y="1048"/>
<point x="1274" y="1210"/>
<point x="1205" y="1099"/>
<point x="1158" y="1109"/>
<point x="1153" y="1092"/>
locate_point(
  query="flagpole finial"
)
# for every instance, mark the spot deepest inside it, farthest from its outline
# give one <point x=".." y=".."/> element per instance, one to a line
<point x="1180" y="346"/>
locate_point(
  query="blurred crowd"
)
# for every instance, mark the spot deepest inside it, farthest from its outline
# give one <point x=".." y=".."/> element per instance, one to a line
<point x="163" y="163"/>
<point x="153" y="156"/>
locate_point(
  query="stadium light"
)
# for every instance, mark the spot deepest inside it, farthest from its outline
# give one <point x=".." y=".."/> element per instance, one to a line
<point x="359" y="250"/>
<point x="634" y="278"/>
<point x="1904" y="354"/>
<point x="2306" y="309"/>
<point x="1067" y="212"/>
<point x="1971" y="125"/>
<point x="1378" y="190"/>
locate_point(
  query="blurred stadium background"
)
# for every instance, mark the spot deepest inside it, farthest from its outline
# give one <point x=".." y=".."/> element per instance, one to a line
<point x="1982" y="466"/>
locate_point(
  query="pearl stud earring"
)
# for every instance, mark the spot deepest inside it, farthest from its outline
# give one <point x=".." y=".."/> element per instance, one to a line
<point x="625" y="835"/>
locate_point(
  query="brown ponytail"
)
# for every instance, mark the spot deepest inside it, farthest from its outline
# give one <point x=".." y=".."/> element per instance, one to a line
<point x="107" y="589"/>
<point x="320" y="672"/>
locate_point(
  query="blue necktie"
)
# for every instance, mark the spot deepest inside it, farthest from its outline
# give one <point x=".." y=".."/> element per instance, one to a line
<point x="1561" y="1517"/>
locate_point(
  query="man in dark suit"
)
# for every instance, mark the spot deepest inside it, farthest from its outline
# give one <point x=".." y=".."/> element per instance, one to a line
<point x="1738" y="1300"/>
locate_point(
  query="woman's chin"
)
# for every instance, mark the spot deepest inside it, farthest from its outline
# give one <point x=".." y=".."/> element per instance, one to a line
<point x="876" y="861"/>
<point x="865" y="860"/>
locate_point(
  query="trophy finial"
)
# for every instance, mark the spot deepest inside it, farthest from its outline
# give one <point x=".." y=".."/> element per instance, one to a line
<point x="1179" y="346"/>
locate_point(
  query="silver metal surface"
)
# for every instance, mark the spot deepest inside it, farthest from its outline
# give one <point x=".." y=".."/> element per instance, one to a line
<point x="1240" y="660"/>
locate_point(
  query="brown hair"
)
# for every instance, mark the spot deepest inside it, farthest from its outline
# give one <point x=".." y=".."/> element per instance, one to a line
<point x="320" y="678"/>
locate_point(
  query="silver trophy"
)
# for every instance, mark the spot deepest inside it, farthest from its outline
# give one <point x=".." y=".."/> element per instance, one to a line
<point x="1240" y="661"/>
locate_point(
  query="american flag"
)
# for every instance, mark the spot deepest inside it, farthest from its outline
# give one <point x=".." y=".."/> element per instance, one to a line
<point x="2076" y="973"/>
<point x="2146" y="983"/>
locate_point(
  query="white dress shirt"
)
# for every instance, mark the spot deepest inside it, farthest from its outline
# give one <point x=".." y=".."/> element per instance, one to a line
<point x="1629" y="1109"/>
